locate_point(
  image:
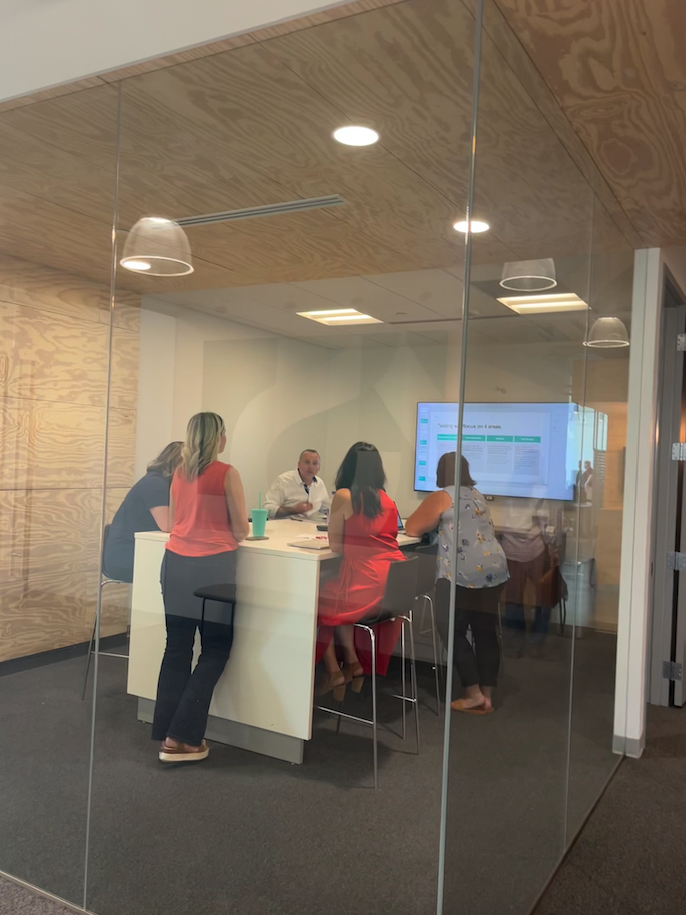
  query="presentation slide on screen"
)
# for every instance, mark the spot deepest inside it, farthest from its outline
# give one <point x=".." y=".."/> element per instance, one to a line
<point x="512" y="449"/>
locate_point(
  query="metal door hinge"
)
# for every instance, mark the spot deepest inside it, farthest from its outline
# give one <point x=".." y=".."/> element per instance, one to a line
<point x="679" y="451"/>
<point x="681" y="343"/>
<point x="671" y="670"/>
<point x="676" y="562"/>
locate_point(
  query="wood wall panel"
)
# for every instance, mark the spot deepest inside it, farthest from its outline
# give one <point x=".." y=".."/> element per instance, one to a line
<point x="46" y="356"/>
<point x="54" y="342"/>
<point x="44" y="612"/>
<point x="52" y="530"/>
<point x="47" y="445"/>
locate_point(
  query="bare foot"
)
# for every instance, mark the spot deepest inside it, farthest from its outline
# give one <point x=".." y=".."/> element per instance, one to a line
<point x="474" y="699"/>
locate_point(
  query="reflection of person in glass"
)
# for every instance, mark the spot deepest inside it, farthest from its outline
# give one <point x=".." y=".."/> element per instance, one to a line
<point x="481" y="573"/>
<point x="208" y="518"/>
<point x="145" y="508"/>
<point x="363" y="527"/>
<point x="531" y="564"/>
<point x="587" y="482"/>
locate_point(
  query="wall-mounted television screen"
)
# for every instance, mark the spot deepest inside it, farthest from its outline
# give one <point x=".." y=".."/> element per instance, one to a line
<point x="531" y="450"/>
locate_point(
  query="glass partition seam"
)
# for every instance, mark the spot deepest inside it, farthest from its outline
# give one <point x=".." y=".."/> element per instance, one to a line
<point x="478" y="27"/>
<point x="577" y="589"/>
<point x="103" y="506"/>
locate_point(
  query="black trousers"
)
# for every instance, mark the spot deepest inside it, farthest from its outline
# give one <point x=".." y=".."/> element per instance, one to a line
<point x="183" y="697"/>
<point x="475" y="609"/>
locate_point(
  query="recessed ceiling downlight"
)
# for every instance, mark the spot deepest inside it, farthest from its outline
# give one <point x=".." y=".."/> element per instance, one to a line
<point x="354" y="135"/>
<point x="478" y="225"/>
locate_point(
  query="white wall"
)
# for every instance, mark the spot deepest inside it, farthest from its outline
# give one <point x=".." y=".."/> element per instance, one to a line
<point x="279" y="395"/>
<point x="45" y="43"/>
<point x="635" y="583"/>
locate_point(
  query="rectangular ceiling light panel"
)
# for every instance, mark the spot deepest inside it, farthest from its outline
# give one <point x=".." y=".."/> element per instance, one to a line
<point x="544" y="303"/>
<point x="339" y="317"/>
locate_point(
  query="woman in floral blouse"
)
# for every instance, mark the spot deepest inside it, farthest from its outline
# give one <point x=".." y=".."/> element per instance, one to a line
<point x="479" y="566"/>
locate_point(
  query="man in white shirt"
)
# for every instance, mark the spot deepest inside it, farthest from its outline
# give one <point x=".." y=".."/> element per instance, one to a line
<point x="299" y="493"/>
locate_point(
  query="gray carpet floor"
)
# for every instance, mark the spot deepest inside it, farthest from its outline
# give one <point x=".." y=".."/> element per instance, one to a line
<point x="629" y="858"/>
<point x="255" y="835"/>
<point x="17" y="900"/>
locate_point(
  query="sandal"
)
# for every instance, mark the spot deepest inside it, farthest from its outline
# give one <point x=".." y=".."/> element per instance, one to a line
<point x="459" y="706"/>
<point x="183" y="753"/>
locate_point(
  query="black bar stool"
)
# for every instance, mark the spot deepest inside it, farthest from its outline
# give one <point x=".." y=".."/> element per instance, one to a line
<point x="426" y="582"/>
<point x="396" y="604"/>
<point x="106" y="580"/>
<point x="222" y="594"/>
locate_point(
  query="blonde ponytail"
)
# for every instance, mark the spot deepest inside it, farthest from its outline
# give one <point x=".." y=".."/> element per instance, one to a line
<point x="201" y="447"/>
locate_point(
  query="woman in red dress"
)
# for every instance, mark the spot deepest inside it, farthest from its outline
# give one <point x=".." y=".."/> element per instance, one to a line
<point x="363" y="527"/>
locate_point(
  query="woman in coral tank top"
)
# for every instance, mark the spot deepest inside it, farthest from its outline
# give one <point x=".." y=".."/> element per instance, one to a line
<point x="208" y="516"/>
<point x="363" y="526"/>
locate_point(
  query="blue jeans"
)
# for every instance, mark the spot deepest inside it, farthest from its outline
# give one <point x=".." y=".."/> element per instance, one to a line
<point x="515" y="624"/>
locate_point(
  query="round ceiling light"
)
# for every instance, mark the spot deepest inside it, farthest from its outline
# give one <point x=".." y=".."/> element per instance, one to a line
<point x="353" y="135"/>
<point x="529" y="276"/>
<point x="478" y="225"/>
<point x="608" y="333"/>
<point x="159" y="247"/>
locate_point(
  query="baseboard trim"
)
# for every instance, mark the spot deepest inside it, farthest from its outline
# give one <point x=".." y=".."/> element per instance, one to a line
<point x="629" y="746"/>
<point x="39" y="892"/>
<point x="80" y="650"/>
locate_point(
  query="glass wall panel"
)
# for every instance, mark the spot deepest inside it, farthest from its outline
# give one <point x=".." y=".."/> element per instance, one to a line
<point x="283" y="814"/>
<point x="534" y="448"/>
<point x="57" y="168"/>
<point x="601" y="381"/>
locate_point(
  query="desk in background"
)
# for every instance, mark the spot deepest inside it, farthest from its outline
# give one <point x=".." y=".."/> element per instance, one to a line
<point x="264" y="699"/>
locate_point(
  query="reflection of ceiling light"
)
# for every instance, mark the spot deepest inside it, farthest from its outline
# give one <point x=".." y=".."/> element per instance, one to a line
<point x="477" y="226"/>
<point x="160" y="244"/>
<point x="529" y="276"/>
<point x="540" y="304"/>
<point x="334" y="316"/>
<point x="608" y="333"/>
<point x="355" y="136"/>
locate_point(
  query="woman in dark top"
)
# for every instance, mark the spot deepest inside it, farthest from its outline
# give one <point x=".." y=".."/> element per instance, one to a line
<point x="145" y="508"/>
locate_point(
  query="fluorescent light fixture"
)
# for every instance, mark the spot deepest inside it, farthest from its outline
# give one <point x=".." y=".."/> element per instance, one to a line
<point x="353" y="135"/>
<point x="334" y="316"/>
<point x="478" y="225"/>
<point x="546" y="303"/>
<point x="137" y="265"/>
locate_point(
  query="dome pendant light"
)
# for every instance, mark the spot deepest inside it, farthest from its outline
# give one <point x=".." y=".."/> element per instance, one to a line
<point x="529" y="276"/>
<point x="157" y="246"/>
<point x="607" y="333"/>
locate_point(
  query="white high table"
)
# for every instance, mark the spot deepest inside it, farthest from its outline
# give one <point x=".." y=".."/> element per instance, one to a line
<point x="264" y="699"/>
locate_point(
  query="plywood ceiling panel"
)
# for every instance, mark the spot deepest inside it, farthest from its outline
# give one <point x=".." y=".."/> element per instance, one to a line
<point x="252" y="125"/>
<point x="618" y="71"/>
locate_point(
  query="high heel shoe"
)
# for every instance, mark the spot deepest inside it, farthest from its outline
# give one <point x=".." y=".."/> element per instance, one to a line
<point x="326" y="685"/>
<point x="354" y="674"/>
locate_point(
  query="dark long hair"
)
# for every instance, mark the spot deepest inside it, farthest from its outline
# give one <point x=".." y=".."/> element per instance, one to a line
<point x="445" y="471"/>
<point x="362" y="473"/>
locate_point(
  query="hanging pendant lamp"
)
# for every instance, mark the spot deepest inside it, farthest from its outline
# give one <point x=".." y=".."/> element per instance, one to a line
<point x="607" y="333"/>
<point x="529" y="276"/>
<point x="156" y="246"/>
